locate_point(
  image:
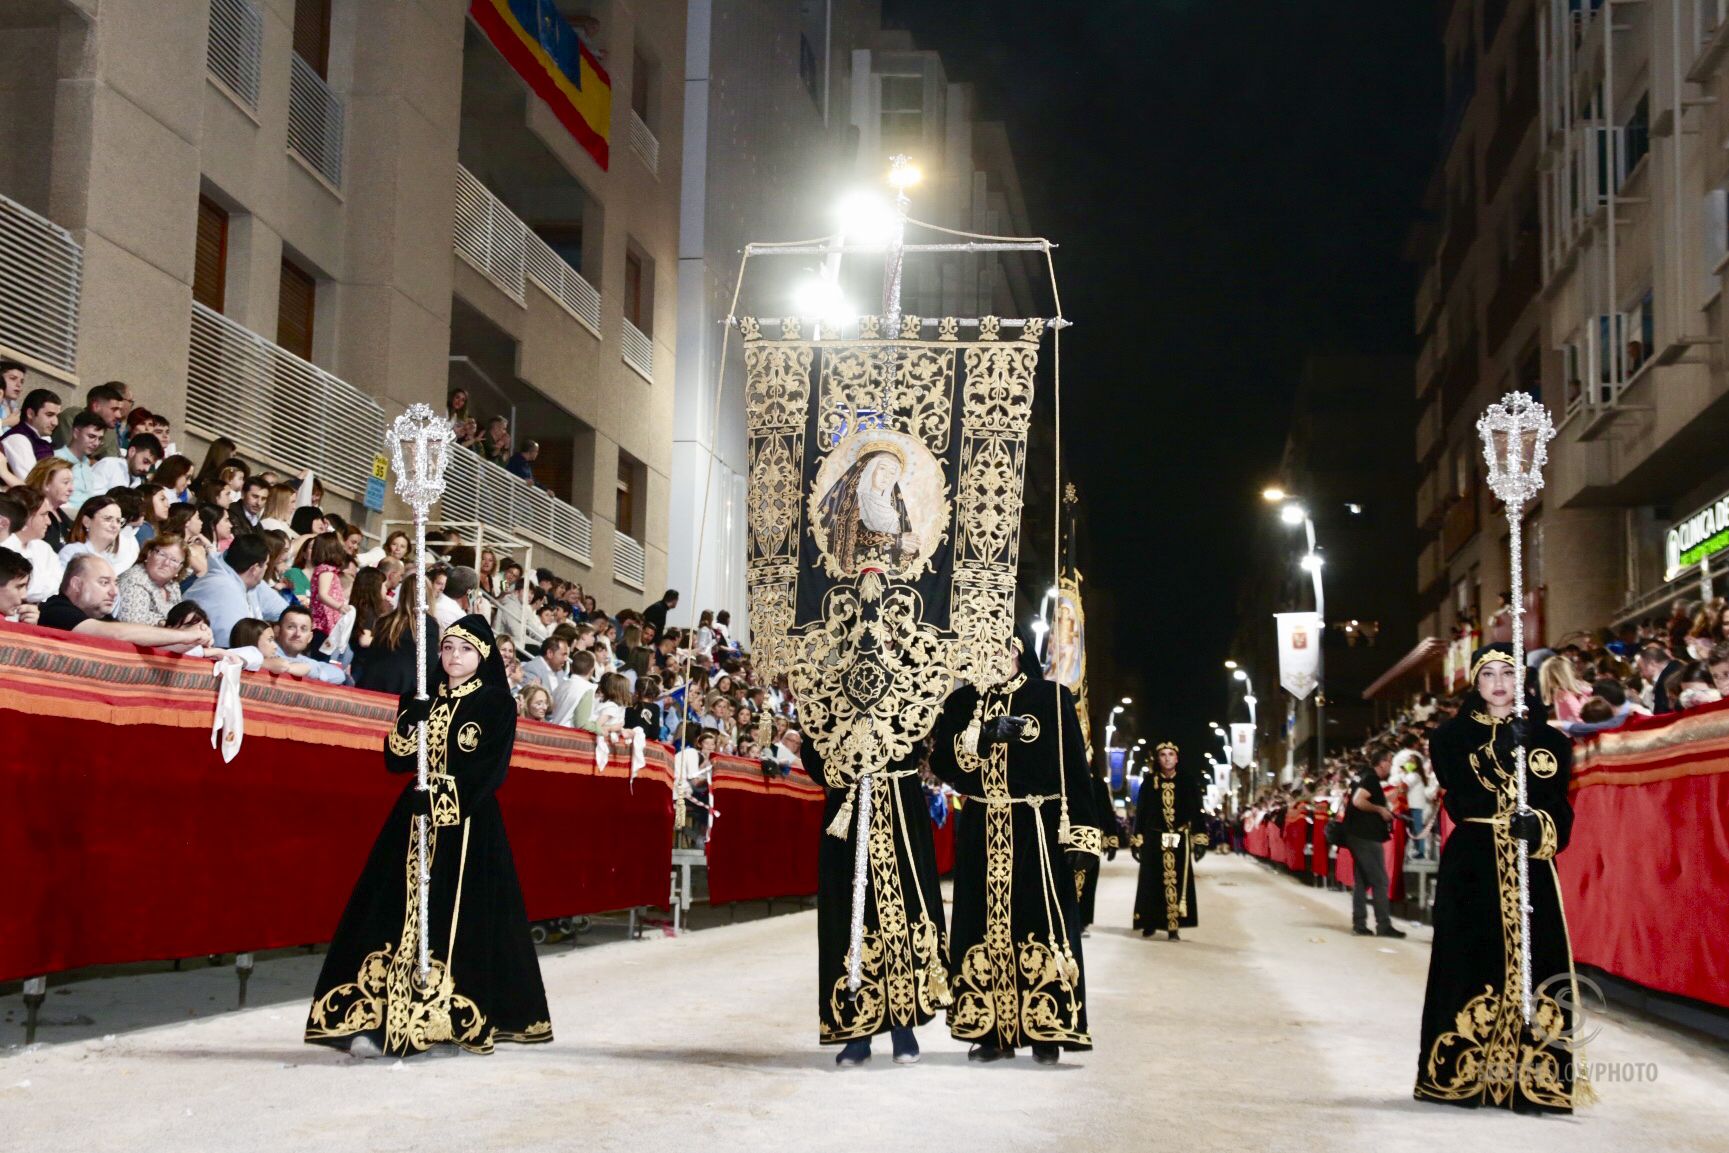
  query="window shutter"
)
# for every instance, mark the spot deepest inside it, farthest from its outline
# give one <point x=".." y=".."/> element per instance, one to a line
<point x="295" y="307"/>
<point x="312" y="34"/>
<point x="210" y="260"/>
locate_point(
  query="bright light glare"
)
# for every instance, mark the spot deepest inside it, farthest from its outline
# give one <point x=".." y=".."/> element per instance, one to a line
<point x="1128" y="701"/>
<point x="1293" y="514"/>
<point x="1311" y="562"/>
<point x="904" y="176"/>
<point x="1230" y="664"/>
<point x="1273" y="494"/>
<point x="818" y="297"/>
<point x="1241" y="675"/>
<point x="867" y="219"/>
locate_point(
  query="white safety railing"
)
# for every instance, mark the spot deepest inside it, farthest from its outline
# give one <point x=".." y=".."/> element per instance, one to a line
<point x="638" y="350"/>
<point x="235" y="48"/>
<point x="629" y="561"/>
<point x="315" y="121"/>
<point x="286" y="410"/>
<point x="477" y="489"/>
<point x="644" y="143"/>
<point x="41" y="274"/>
<point x="501" y="247"/>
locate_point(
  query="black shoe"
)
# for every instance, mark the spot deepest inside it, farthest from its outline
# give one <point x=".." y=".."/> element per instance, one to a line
<point x="854" y="1054"/>
<point x="1360" y="931"/>
<point x="989" y="1053"/>
<point x="1173" y="935"/>
<point x="1389" y="931"/>
<point x="1047" y="1054"/>
<point x="1146" y="932"/>
<point x="906" y="1046"/>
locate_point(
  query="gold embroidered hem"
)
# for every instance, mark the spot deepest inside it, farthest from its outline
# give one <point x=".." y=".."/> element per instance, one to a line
<point x="1476" y="1058"/>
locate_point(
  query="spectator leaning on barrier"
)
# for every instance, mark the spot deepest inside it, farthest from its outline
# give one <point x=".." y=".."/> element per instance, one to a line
<point x="15" y="588"/>
<point x="551" y="668"/>
<point x="522" y="464"/>
<point x="1655" y="664"/>
<point x="150" y="589"/>
<point x="1695" y="686"/>
<point x="32" y="438"/>
<point x="228" y="589"/>
<point x="85" y="603"/>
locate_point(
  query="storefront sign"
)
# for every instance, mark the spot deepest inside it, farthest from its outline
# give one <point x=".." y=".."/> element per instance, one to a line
<point x="1704" y="534"/>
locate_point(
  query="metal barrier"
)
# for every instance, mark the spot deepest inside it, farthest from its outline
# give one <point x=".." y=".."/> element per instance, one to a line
<point x="638" y="350"/>
<point x="315" y="121"/>
<point x="629" y="561"/>
<point x="500" y="246"/>
<point x="235" y="47"/>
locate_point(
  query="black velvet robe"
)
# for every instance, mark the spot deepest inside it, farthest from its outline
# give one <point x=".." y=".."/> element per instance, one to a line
<point x="1016" y="940"/>
<point x="1476" y="1048"/>
<point x="1087" y="877"/>
<point x="904" y="971"/>
<point x="484" y="985"/>
<point x="1165" y="894"/>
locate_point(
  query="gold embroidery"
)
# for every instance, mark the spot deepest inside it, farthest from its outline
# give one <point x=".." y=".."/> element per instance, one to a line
<point x="1475" y="1057"/>
<point x="1542" y="763"/>
<point x="462" y="634"/>
<point x="1168" y="805"/>
<point x="1549" y="843"/>
<point x="1086" y="839"/>
<point x="468" y="737"/>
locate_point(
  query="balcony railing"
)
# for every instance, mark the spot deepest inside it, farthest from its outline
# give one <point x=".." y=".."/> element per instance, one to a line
<point x="644" y="143"/>
<point x="501" y="247"/>
<point x="638" y="350"/>
<point x="287" y="411"/>
<point x="477" y="489"/>
<point x="629" y="561"/>
<point x="315" y="121"/>
<point x="41" y="274"/>
<point x="235" y="48"/>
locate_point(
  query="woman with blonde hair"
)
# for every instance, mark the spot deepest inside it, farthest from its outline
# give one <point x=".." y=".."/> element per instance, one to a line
<point x="1563" y="690"/>
<point x="535" y="702"/>
<point x="52" y="477"/>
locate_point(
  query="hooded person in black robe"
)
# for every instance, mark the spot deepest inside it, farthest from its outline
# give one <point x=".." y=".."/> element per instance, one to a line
<point x="1087" y="878"/>
<point x="1016" y="754"/>
<point x="903" y="972"/>
<point x="1168" y="823"/>
<point x="484" y="982"/>
<point x="1476" y="1047"/>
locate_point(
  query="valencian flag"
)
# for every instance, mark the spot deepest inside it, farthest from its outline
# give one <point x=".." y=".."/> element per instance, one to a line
<point x="545" y="50"/>
<point x="886" y="481"/>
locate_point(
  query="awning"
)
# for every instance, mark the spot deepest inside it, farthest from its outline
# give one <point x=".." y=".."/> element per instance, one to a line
<point x="1429" y="650"/>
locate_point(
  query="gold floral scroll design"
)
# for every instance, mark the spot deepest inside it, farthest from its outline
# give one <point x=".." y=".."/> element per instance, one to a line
<point x="852" y="384"/>
<point x="1474" y="1060"/>
<point x="777" y="384"/>
<point x="773" y="500"/>
<point x="992" y="475"/>
<point x="998" y="394"/>
<point x="870" y="679"/>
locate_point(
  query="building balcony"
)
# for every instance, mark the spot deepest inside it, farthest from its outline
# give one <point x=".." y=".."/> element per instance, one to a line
<point x="629" y="561"/>
<point x="475" y="489"/>
<point x="644" y="143"/>
<point x="41" y="280"/>
<point x="500" y="246"/>
<point x="233" y="55"/>
<point x="638" y="349"/>
<point x="315" y="121"/>
<point x="1459" y="524"/>
<point x="283" y="411"/>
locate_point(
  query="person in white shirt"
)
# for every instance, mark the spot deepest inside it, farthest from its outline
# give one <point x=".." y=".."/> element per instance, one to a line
<point x="458" y="598"/>
<point x="573" y="701"/>
<point x="100" y="528"/>
<point x="25" y="512"/>
<point x="1409" y="771"/>
<point x="82" y="450"/>
<point x="787" y="749"/>
<point x="143" y="454"/>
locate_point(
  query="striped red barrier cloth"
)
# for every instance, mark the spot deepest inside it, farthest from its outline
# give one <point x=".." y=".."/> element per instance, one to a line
<point x="763" y="845"/>
<point x="1646" y="877"/>
<point x="129" y="839"/>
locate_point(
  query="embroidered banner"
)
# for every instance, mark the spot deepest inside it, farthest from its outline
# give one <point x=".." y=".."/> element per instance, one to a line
<point x="886" y="482"/>
<point x="1299" y="652"/>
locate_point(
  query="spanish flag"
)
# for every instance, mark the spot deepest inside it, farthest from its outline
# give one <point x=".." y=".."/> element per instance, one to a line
<point x="546" y="51"/>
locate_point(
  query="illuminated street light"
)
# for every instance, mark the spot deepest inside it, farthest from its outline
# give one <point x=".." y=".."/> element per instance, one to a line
<point x="867" y="219"/>
<point x="1128" y="701"/>
<point x="820" y="298"/>
<point x="1241" y="675"/>
<point x="1230" y="664"/>
<point x="904" y="175"/>
<point x="1293" y="514"/>
<point x="1273" y="494"/>
<point x="1311" y="562"/>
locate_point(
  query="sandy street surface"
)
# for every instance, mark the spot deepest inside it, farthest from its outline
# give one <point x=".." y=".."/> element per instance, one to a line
<point x="1267" y="1028"/>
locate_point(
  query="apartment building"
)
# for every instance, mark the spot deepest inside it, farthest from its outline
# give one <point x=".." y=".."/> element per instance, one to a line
<point x="284" y="220"/>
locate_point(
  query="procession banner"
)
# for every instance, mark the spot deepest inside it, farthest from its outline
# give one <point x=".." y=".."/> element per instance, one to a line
<point x="1242" y="744"/>
<point x="1299" y="652"/>
<point x="886" y="482"/>
<point x="1066" y="654"/>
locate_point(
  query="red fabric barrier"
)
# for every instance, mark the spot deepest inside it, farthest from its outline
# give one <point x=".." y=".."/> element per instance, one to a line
<point x="1318" y="846"/>
<point x="1255" y="840"/>
<point x="764" y="843"/>
<point x="1345" y="868"/>
<point x="1296" y="838"/>
<point x="1646" y="876"/>
<point x="944" y="839"/>
<point x="129" y="839"/>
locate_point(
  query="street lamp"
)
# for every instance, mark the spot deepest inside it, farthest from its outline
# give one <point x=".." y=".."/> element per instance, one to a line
<point x="1293" y="513"/>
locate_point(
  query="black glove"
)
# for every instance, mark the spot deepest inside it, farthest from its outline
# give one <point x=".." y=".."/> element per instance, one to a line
<point x="420" y="802"/>
<point x="415" y="711"/>
<point x="1111" y="853"/>
<point x="1527" y="827"/>
<point x="1525" y="730"/>
<point x="770" y="767"/>
<point x="999" y="731"/>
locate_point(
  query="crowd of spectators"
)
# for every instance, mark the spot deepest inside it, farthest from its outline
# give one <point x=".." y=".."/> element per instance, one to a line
<point x="1587" y="683"/>
<point x="105" y="530"/>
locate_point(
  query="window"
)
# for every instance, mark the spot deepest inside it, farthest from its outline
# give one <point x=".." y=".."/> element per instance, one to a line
<point x="295" y="306"/>
<point x="636" y="292"/>
<point x="210" y="258"/>
<point x="312" y="34"/>
<point x="903" y="112"/>
<point x="641" y="87"/>
<point x="624" y="516"/>
<point x="1641" y="333"/>
<point x="1636" y="134"/>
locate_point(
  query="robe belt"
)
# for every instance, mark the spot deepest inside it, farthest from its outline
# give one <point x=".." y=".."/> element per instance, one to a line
<point x="843" y="817"/>
<point x="1033" y="800"/>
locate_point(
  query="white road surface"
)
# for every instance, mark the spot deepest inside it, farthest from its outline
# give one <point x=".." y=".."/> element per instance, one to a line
<point x="1267" y="1028"/>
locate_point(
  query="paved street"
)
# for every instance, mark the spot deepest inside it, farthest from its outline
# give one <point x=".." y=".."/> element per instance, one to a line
<point x="1269" y="1027"/>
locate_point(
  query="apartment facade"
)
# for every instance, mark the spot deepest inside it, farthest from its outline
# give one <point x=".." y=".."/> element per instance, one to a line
<point x="283" y="221"/>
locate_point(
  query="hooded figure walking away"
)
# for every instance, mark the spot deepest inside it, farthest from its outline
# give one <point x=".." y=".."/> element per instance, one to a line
<point x="483" y="984"/>
<point x="1476" y="1047"/>
<point x="1168" y="822"/>
<point x="1014" y="751"/>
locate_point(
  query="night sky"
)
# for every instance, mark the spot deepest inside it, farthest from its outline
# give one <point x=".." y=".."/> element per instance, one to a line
<point x="1231" y="182"/>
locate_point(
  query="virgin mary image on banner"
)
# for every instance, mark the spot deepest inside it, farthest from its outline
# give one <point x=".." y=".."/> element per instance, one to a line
<point x="864" y="514"/>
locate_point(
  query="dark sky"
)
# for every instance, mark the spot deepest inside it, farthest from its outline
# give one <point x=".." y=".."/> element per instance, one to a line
<point x="1231" y="183"/>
